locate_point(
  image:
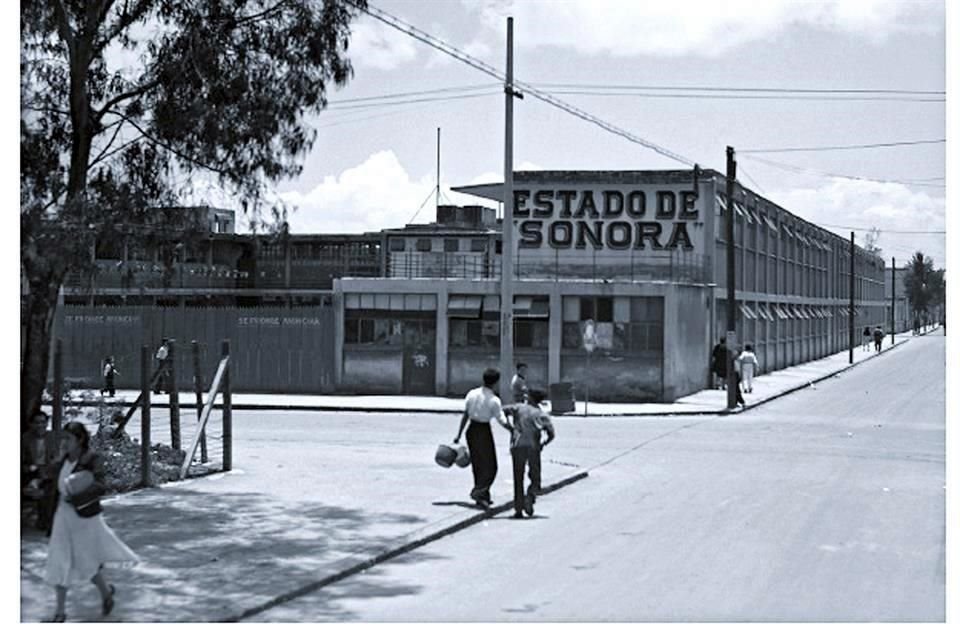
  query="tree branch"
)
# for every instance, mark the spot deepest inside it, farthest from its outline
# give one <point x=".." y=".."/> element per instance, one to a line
<point x="103" y="152"/>
<point x="126" y="95"/>
<point x="174" y="150"/>
<point x="63" y="24"/>
<point x="259" y="16"/>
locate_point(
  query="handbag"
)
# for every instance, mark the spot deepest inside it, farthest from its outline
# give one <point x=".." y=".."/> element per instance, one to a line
<point x="80" y="487"/>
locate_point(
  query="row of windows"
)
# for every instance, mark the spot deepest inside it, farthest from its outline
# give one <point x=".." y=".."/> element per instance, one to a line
<point x="448" y="245"/>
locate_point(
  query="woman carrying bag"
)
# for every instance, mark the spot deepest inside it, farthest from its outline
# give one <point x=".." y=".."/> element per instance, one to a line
<point x="81" y="543"/>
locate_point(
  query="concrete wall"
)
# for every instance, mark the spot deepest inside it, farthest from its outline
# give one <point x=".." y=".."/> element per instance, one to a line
<point x="465" y="369"/>
<point x="620" y="379"/>
<point x="686" y="345"/>
<point x="372" y="371"/>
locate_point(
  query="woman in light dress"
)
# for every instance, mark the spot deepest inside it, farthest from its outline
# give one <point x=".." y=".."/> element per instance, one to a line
<point x="81" y="543"/>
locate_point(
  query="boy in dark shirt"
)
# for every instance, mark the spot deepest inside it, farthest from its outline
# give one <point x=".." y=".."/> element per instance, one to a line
<point x="529" y="420"/>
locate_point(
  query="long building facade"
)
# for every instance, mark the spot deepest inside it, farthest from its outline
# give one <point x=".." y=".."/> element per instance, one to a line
<point x="416" y="310"/>
<point x="638" y="253"/>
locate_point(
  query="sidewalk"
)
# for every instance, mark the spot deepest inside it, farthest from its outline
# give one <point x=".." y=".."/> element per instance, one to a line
<point x="709" y="401"/>
<point x="313" y="499"/>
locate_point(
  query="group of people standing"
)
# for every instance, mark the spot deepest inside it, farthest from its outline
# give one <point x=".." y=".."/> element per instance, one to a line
<point x="530" y="422"/>
<point x="745" y="367"/>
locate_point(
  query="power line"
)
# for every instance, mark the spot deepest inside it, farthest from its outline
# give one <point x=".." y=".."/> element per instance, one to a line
<point x="708" y="96"/>
<point x="452" y="51"/>
<point x="736" y="89"/>
<point x="804" y="170"/>
<point x="354" y="107"/>
<point x="873" y="145"/>
<point x="407" y="94"/>
<point x="891" y="231"/>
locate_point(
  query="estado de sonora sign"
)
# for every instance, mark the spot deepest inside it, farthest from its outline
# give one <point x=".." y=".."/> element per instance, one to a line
<point x="610" y="219"/>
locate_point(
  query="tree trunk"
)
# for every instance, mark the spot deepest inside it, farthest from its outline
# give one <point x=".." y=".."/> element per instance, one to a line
<point x="40" y="310"/>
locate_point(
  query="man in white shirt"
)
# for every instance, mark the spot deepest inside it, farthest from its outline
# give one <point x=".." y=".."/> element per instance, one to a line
<point x="481" y="406"/>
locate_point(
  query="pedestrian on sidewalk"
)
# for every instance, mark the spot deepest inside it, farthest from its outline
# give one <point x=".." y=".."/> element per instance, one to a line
<point x="81" y="543"/>
<point x="867" y="337"/>
<point x="718" y="363"/>
<point x="519" y="383"/>
<point x="109" y="377"/>
<point x="529" y="422"/>
<point x="481" y="407"/>
<point x="748" y="367"/>
<point x="878" y="338"/>
<point x="163" y="364"/>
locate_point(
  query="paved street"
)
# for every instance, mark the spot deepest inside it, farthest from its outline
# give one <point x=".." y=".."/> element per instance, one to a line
<point x="779" y="513"/>
<point x="826" y="505"/>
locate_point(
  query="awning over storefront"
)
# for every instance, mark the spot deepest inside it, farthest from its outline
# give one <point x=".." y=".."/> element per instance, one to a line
<point x="747" y="311"/>
<point x="464" y="306"/>
<point x="530" y="307"/>
<point x="780" y="312"/>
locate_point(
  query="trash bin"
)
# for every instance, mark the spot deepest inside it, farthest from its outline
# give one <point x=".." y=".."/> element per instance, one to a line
<point x="561" y="398"/>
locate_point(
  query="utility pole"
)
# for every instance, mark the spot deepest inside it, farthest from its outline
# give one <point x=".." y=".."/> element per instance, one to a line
<point x="893" y="301"/>
<point x="731" y="280"/>
<point x="852" y="286"/>
<point x="506" y="258"/>
<point x="438" y="174"/>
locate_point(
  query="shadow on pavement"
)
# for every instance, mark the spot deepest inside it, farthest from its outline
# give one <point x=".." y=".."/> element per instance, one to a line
<point x="207" y="555"/>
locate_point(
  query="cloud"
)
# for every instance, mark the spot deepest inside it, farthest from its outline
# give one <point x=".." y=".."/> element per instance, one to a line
<point x="378" y="46"/>
<point x="865" y="204"/>
<point x="376" y="194"/>
<point x="692" y="27"/>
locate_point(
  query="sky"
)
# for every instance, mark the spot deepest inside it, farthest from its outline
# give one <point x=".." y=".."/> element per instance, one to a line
<point x="374" y="162"/>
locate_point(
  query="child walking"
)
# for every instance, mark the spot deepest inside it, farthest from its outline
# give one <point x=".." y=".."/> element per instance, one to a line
<point x="528" y="423"/>
<point x="748" y="366"/>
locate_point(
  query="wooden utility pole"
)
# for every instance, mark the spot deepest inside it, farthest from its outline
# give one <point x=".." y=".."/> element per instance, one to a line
<point x="731" y="280"/>
<point x="852" y="287"/>
<point x="437" y="212"/>
<point x="893" y="301"/>
<point x="506" y="260"/>
<point x="227" y="411"/>
<point x="174" y="392"/>
<point x="144" y="416"/>
<point x="198" y="390"/>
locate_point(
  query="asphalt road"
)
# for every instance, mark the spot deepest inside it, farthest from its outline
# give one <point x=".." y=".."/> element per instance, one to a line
<point x="825" y="505"/>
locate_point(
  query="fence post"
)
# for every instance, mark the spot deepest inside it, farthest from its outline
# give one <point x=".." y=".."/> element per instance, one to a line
<point x="145" y="416"/>
<point x="57" y="396"/>
<point x="198" y="390"/>
<point x="174" y="392"/>
<point x="227" y="417"/>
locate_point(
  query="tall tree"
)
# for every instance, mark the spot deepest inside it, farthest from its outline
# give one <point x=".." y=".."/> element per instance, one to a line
<point x="917" y="282"/>
<point x="123" y="102"/>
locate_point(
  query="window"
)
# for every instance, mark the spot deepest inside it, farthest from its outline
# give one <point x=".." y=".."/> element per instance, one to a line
<point x="451" y="245"/>
<point x="531" y="333"/>
<point x="478" y="245"/>
<point x="424" y="244"/>
<point x="398" y="244"/>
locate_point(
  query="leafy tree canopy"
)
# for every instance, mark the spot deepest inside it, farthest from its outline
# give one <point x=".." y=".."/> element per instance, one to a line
<point x="125" y="102"/>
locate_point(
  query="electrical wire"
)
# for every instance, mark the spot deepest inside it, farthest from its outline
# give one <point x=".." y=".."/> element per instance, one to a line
<point x="874" y="145"/>
<point x="805" y="170"/>
<point x="706" y="96"/>
<point x="891" y="231"/>
<point x="407" y="94"/>
<point x="738" y="89"/>
<point x="392" y="103"/>
<point x="452" y="51"/>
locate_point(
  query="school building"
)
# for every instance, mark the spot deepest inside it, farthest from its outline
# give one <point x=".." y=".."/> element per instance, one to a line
<point x="416" y="310"/>
<point x="640" y="253"/>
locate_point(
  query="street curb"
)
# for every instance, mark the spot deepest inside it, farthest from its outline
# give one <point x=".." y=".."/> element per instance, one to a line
<point x="393" y="553"/>
<point x="727" y="412"/>
<point x="328" y="409"/>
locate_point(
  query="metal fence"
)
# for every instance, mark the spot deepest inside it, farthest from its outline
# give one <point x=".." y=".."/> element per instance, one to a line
<point x="669" y="266"/>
